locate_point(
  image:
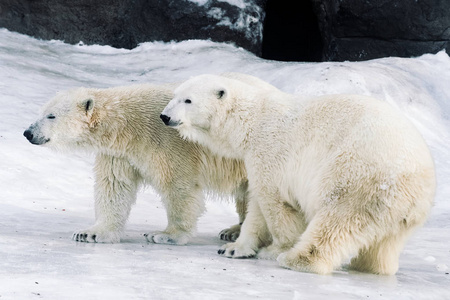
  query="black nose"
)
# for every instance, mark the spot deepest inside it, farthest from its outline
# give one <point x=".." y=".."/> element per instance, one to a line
<point x="165" y="119"/>
<point x="27" y="133"/>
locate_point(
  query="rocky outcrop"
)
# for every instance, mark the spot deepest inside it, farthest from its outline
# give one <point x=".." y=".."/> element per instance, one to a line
<point x="361" y="30"/>
<point x="300" y="30"/>
<point x="125" y="24"/>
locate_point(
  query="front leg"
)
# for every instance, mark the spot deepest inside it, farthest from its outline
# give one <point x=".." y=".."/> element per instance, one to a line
<point x="254" y="235"/>
<point x="284" y="222"/>
<point x="116" y="184"/>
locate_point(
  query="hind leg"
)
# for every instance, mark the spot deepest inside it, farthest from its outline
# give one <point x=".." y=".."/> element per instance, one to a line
<point x="382" y="256"/>
<point x="241" y="198"/>
<point x="184" y="205"/>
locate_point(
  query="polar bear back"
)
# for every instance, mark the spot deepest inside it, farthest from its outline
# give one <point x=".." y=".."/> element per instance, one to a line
<point x="340" y="141"/>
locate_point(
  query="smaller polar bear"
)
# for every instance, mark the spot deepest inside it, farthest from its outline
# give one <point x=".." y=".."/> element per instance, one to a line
<point x="133" y="148"/>
<point x="329" y="178"/>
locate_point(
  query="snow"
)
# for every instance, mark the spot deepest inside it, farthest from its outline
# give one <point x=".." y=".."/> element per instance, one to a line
<point x="46" y="195"/>
<point x="238" y="3"/>
<point x="199" y="2"/>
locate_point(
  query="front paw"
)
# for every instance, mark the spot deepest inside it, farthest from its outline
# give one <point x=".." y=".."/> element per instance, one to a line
<point x="166" y="238"/>
<point x="234" y="250"/>
<point x="294" y="260"/>
<point x="96" y="235"/>
<point x="230" y="234"/>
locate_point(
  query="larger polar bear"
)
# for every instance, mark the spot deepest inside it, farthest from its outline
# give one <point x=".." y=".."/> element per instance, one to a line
<point x="351" y="168"/>
<point x="121" y="126"/>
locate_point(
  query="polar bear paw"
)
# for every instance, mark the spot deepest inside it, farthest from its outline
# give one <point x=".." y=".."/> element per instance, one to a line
<point x="96" y="235"/>
<point x="166" y="238"/>
<point x="234" y="250"/>
<point x="230" y="234"/>
<point x="303" y="263"/>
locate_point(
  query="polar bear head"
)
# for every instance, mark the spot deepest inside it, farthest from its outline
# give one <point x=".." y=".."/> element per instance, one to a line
<point x="202" y="110"/>
<point x="65" y="121"/>
<point x="194" y="103"/>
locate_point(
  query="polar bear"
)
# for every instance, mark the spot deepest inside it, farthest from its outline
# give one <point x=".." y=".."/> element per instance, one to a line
<point x="330" y="178"/>
<point x="121" y="126"/>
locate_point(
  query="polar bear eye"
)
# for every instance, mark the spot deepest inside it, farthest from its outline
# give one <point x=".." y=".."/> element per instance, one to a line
<point x="51" y="116"/>
<point x="188" y="101"/>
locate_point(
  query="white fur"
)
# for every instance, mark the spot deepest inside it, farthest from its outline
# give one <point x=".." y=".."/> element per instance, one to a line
<point x="133" y="148"/>
<point x="330" y="178"/>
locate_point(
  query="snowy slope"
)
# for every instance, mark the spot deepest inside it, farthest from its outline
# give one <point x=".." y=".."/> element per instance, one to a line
<point x="46" y="196"/>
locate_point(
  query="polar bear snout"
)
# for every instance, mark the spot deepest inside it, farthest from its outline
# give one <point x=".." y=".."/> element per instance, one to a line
<point x="28" y="134"/>
<point x="34" y="138"/>
<point x="169" y="121"/>
<point x="165" y="119"/>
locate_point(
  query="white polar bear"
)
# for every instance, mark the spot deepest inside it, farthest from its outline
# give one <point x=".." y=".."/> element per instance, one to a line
<point x="122" y="127"/>
<point x="353" y="170"/>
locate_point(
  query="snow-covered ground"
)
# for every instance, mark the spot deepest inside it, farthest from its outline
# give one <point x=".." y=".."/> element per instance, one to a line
<point x="46" y="196"/>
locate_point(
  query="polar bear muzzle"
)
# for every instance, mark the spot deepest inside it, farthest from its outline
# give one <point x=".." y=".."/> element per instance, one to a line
<point x="168" y="121"/>
<point x="34" y="138"/>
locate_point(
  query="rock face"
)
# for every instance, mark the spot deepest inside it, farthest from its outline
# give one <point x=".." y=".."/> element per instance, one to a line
<point x="361" y="30"/>
<point x="300" y="30"/>
<point x="125" y="24"/>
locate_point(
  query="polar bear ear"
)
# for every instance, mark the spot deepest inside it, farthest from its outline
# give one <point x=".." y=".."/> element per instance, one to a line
<point x="221" y="94"/>
<point x="93" y="117"/>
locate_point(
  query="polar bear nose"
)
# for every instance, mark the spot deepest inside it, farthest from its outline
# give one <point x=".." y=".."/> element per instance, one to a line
<point x="165" y="119"/>
<point x="27" y="133"/>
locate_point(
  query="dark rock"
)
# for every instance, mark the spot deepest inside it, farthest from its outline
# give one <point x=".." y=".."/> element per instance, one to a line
<point x="125" y="24"/>
<point x="361" y="30"/>
<point x="300" y="30"/>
